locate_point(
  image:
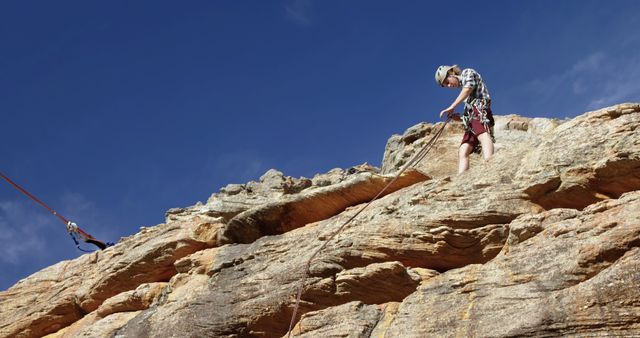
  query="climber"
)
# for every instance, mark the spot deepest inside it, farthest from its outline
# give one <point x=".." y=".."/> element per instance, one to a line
<point x="477" y="117"/>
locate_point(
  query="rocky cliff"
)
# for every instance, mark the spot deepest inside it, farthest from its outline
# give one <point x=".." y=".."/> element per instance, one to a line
<point x="543" y="240"/>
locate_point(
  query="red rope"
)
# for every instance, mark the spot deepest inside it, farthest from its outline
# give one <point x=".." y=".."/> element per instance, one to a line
<point x="62" y="218"/>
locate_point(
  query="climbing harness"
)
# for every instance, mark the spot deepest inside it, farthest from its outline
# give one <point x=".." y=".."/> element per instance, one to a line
<point x="74" y="231"/>
<point x="412" y="162"/>
<point x="477" y="110"/>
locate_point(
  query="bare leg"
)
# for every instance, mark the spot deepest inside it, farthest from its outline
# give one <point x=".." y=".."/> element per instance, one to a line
<point x="463" y="157"/>
<point x="487" y="145"/>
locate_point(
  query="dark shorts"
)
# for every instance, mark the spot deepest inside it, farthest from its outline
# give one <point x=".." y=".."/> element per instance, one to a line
<point x="478" y="128"/>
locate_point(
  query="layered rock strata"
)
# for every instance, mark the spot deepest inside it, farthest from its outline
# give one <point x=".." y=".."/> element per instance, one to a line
<point x="543" y="240"/>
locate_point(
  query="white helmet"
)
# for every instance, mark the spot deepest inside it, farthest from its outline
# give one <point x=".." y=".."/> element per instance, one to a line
<point x="442" y="71"/>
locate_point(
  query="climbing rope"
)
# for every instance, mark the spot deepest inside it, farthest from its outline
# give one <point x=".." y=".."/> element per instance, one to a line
<point x="74" y="231"/>
<point x="412" y="162"/>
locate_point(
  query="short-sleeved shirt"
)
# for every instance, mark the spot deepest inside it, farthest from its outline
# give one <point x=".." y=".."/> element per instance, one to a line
<point x="471" y="79"/>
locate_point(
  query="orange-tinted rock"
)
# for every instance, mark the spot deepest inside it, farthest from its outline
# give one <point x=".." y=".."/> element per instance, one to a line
<point x="544" y="239"/>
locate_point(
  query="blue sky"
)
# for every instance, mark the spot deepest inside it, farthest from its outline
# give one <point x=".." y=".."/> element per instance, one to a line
<point x="114" y="112"/>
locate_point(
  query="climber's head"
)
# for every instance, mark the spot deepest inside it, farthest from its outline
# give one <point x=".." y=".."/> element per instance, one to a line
<point x="447" y="76"/>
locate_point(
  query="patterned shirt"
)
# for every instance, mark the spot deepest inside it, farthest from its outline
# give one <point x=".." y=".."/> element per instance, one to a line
<point x="471" y="79"/>
<point x="479" y="99"/>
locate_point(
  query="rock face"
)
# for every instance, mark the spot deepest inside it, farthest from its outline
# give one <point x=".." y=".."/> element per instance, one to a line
<point x="543" y="240"/>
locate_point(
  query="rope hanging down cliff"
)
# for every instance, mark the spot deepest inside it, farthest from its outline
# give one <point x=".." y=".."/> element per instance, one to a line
<point x="412" y="162"/>
<point x="74" y="231"/>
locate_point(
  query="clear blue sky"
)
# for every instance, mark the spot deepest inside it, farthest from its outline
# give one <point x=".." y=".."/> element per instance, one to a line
<point x="115" y="111"/>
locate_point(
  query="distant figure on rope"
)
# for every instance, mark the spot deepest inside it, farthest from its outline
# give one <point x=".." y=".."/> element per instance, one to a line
<point x="477" y="117"/>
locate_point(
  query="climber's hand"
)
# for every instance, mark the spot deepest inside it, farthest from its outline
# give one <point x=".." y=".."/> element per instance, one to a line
<point x="447" y="112"/>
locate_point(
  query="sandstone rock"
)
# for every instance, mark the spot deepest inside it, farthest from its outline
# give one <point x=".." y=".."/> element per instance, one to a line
<point x="439" y="224"/>
<point x="123" y="306"/>
<point x="63" y="293"/>
<point x="272" y="186"/>
<point x="91" y="326"/>
<point x="443" y="158"/>
<point x="108" y="326"/>
<point x="236" y="198"/>
<point x="198" y="262"/>
<point x="314" y="205"/>
<point x="607" y="166"/>
<point x="134" y="300"/>
<point x="423" y="274"/>
<point x="373" y="284"/>
<point x="330" y="323"/>
<point x="577" y="276"/>
<point x="262" y="276"/>
<point x="334" y="176"/>
<point x="275" y="180"/>
<point x="544" y="239"/>
<point x="376" y="283"/>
